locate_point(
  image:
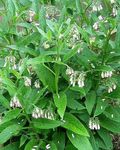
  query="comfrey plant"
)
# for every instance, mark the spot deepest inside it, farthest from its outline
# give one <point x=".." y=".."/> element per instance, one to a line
<point x="59" y="74"/>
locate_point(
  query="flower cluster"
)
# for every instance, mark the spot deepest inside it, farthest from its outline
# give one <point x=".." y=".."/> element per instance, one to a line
<point x="40" y="113"/>
<point x="27" y="81"/>
<point x="76" y="77"/>
<point x="97" y="7"/>
<point x="112" y="1"/>
<point x="114" y="12"/>
<point x="10" y="61"/>
<point x="48" y="146"/>
<point x="35" y="147"/>
<point x="106" y="74"/>
<point x="74" y="36"/>
<point x="37" y="84"/>
<point x="94" y="123"/>
<point x="15" y="103"/>
<point x="111" y="88"/>
<point x="96" y="25"/>
<point x="31" y="15"/>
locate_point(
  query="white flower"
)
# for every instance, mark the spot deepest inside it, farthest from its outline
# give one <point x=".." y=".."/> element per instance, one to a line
<point x="46" y="45"/>
<point x="31" y="15"/>
<point x="81" y="79"/>
<point x="39" y="113"/>
<point x="94" y="8"/>
<point x="15" y="102"/>
<point x="95" y="25"/>
<point x="47" y="146"/>
<point x="112" y="1"/>
<point x="114" y="12"/>
<point x="80" y="50"/>
<point x="112" y="87"/>
<point x="99" y="7"/>
<point x="94" y="123"/>
<point x="69" y="71"/>
<point x="100" y="17"/>
<point x="27" y="81"/>
<point x="37" y="84"/>
<point x="106" y="74"/>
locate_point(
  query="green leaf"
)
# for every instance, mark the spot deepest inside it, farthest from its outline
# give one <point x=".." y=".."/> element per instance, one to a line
<point x="70" y="53"/>
<point x="4" y="102"/>
<point x="80" y="142"/>
<point x="9" y="132"/>
<point x="38" y="60"/>
<point x="73" y="124"/>
<point x="74" y="104"/>
<point x="42" y="18"/>
<point x="12" y="114"/>
<point x="106" y="137"/>
<point x="46" y="123"/>
<point x="90" y="101"/>
<point x="78" y="6"/>
<point x="11" y="146"/>
<point x="23" y="139"/>
<point x="110" y="125"/>
<point x="30" y="144"/>
<point x="60" y="102"/>
<point x="78" y="89"/>
<point x="46" y="76"/>
<point x="100" y="107"/>
<point x="53" y="146"/>
<point x="59" y="140"/>
<point x="113" y="113"/>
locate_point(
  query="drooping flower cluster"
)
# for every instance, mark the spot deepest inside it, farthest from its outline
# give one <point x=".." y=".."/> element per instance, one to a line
<point x="15" y="103"/>
<point x="75" y="77"/>
<point x="35" y="147"/>
<point x="27" y="81"/>
<point x="94" y="123"/>
<point x="48" y="146"/>
<point x="10" y="61"/>
<point x="106" y="74"/>
<point x="31" y="15"/>
<point x="97" y="7"/>
<point x="74" y="36"/>
<point x="37" y="84"/>
<point x="112" y="87"/>
<point x="112" y="1"/>
<point x="40" y="113"/>
<point x="114" y="12"/>
<point x="96" y="25"/>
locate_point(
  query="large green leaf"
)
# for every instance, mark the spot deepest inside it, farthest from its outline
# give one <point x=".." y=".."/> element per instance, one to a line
<point x="4" y="101"/>
<point x="9" y="132"/>
<point x="74" y="104"/>
<point x="100" y="107"/>
<point x="106" y="137"/>
<point x="73" y="124"/>
<point x="90" y="101"/>
<point x="46" y="76"/>
<point x="59" y="140"/>
<point x="30" y="144"/>
<point x="46" y="123"/>
<point x="12" y="114"/>
<point x="11" y="146"/>
<point x="60" y="102"/>
<point x="113" y="113"/>
<point x="110" y="125"/>
<point x="80" y="142"/>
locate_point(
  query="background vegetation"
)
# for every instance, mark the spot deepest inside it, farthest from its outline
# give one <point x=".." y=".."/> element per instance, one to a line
<point x="59" y="74"/>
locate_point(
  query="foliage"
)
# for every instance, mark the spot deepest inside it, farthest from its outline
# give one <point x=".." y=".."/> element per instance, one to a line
<point x="59" y="74"/>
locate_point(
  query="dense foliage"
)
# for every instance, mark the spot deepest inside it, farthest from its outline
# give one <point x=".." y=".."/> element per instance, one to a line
<point x="59" y="74"/>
